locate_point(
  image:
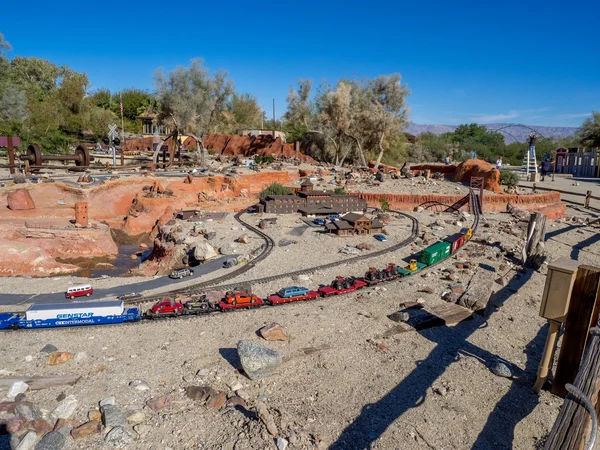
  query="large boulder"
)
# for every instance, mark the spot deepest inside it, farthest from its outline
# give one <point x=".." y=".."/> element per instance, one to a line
<point x="19" y="200"/>
<point x="203" y="251"/>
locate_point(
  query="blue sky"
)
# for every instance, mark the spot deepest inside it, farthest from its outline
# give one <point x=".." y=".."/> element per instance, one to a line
<point x="525" y="61"/>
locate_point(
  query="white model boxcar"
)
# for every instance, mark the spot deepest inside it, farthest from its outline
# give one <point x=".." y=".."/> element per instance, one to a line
<point x="74" y="310"/>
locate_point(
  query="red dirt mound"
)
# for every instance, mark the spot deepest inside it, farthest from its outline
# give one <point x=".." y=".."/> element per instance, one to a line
<point x="478" y="168"/>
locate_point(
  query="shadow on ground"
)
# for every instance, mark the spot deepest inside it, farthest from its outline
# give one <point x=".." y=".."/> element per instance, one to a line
<point x="411" y="392"/>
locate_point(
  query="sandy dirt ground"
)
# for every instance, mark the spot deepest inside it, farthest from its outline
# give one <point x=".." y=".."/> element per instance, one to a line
<point x="342" y="384"/>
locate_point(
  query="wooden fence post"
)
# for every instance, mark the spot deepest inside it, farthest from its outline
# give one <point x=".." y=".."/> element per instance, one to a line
<point x="573" y="421"/>
<point x="588" y="194"/>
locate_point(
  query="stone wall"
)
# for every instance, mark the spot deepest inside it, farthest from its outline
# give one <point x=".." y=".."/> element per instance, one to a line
<point x="548" y="203"/>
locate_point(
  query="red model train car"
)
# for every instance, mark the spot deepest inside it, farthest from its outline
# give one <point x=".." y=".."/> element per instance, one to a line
<point x="457" y="240"/>
<point x="342" y="285"/>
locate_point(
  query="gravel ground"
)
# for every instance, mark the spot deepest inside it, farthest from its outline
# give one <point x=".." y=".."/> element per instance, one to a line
<point x="342" y="385"/>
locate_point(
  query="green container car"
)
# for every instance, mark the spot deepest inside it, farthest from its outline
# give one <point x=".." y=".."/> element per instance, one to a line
<point x="435" y="253"/>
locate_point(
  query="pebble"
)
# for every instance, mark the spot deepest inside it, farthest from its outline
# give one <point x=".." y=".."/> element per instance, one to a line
<point x="203" y="373"/>
<point x="258" y="361"/>
<point x="501" y="368"/>
<point x="142" y="429"/>
<point x="66" y="408"/>
<point x="28" y="441"/>
<point x="108" y="401"/>
<point x="440" y="391"/>
<point x="139" y="385"/>
<point x="20" y="397"/>
<point x="267" y="418"/>
<point x="29" y="358"/>
<point x="49" y="348"/>
<point x="243" y="394"/>
<point x="118" y="438"/>
<point x="56" y="358"/>
<point x="235" y="385"/>
<point x="158" y="403"/>
<point x="87" y="429"/>
<point x="273" y="332"/>
<point x="199" y="393"/>
<point x="282" y="443"/>
<point x="18" y="387"/>
<point x="136" y="418"/>
<point x="27" y="411"/>
<point x="95" y="415"/>
<point x="112" y="416"/>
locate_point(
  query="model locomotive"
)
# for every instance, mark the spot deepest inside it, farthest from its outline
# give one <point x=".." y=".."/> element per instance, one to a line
<point x="107" y="312"/>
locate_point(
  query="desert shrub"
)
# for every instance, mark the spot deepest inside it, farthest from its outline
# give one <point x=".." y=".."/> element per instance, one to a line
<point x="384" y="204"/>
<point x="509" y="178"/>
<point x="339" y="191"/>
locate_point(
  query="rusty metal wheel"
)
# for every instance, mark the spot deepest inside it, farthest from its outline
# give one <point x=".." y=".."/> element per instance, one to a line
<point x="34" y="151"/>
<point x="83" y="155"/>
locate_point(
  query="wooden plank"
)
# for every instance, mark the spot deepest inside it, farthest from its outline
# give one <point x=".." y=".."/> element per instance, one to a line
<point x="36" y="383"/>
<point x="582" y="307"/>
<point x="573" y="421"/>
<point x="451" y="313"/>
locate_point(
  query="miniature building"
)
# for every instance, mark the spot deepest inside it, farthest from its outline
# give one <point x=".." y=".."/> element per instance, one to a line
<point x="352" y="224"/>
<point x="81" y="214"/>
<point x="310" y="202"/>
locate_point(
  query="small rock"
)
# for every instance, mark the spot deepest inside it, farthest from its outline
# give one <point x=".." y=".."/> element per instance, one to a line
<point x="29" y="358"/>
<point x="108" y="401"/>
<point x="158" y="403"/>
<point x="20" y="397"/>
<point x="418" y="209"/>
<point x="501" y="368"/>
<point x="66" y="408"/>
<point x="59" y="358"/>
<point x="8" y="407"/>
<point x="28" y="441"/>
<point x="139" y="385"/>
<point x="95" y="415"/>
<point x="282" y="443"/>
<point x="217" y="401"/>
<point x="27" y="411"/>
<point x="235" y="385"/>
<point x="267" y="418"/>
<point x="117" y="438"/>
<point x="440" y="390"/>
<point x="273" y="332"/>
<point x="243" y="394"/>
<point x="136" y="417"/>
<point x="87" y="429"/>
<point x="427" y="289"/>
<point x="18" y="387"/>
<point x="142" y="429"/>
<point x="258" y="361"/>
<point x="457" y="288"/>
<point x="112" y="416"/>
<point x="243" y="239"/>
<point x="199" y="393"/>
<point x="451" y="277"/>
<point x="236" y="401"/>
<point x="55" y="440"/>
<point x="350" y="250"/>
<point x="61" y="423"/>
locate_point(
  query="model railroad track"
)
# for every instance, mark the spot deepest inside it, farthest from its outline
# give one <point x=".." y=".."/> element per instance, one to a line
<point x="267" y="248"/>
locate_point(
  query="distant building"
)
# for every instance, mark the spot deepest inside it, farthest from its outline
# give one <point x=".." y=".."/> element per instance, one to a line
<point x="309" y="202"/>
<point x="355" y="224"/>
<point x="275" y="134"/>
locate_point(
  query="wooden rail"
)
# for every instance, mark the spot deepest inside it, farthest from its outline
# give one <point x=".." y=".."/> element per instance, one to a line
<point x="588" y="195"/>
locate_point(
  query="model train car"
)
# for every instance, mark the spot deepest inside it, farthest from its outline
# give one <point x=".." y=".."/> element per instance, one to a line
<point x="107" y="312"/>
<point x="71" y="315"/>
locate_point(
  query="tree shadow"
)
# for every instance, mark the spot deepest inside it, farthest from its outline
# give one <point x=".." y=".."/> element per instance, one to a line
<point x="411" y="392"/>
<point x="585" y="243"/>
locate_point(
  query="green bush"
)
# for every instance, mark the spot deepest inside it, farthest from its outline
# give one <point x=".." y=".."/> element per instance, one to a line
<point x="385" y="205"/>
<point x="509" y="178"/>
<point x="339" y="191"/>
<point x="263" y="159"/>
<point x="275" y="189"/>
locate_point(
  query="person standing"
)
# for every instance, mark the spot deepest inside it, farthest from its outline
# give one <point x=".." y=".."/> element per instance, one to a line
<point x="499" y="163"/>
<point x="532" y="138"/>
<point x="546" y="165"/>
<point x="447" y="160"/>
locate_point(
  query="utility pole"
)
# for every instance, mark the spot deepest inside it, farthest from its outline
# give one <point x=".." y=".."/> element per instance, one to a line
<point x="273" y="117"/>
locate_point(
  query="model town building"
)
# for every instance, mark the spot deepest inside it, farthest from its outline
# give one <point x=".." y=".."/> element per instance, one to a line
<point x="352" y="224"/>
<point x="309" y="202"/>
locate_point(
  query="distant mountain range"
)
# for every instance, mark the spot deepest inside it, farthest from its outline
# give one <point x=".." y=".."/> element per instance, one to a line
<point x="519" y="134"/>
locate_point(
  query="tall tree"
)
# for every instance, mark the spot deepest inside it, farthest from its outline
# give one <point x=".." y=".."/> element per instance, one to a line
<point x="186" y="98"/>
<point x="589" y="133"/>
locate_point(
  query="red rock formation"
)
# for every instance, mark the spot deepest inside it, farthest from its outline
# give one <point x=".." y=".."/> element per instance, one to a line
<point x="19" y="260"/>
<point x="479" y="168"/>
<point x="263" y="145"/>
<point x="20" y="200"/>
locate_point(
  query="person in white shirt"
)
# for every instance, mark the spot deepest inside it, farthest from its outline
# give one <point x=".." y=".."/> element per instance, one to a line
<point x="499" y="163"/>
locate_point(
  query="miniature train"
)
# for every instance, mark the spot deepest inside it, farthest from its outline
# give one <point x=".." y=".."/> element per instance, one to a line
<point x="114" y="311"/>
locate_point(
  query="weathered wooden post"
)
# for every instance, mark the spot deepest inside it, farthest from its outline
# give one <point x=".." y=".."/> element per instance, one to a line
<point x="588" y="196"/>
<point x="122" y="159"/>
<point x="534" y="252"/>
